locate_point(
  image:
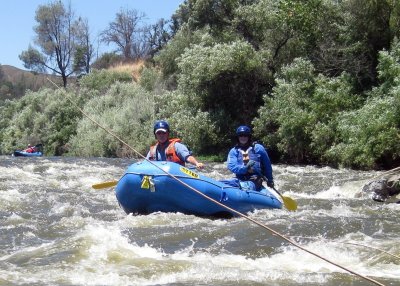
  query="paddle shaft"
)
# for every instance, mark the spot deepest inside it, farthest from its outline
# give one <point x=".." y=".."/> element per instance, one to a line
<point x="289" y="203"/>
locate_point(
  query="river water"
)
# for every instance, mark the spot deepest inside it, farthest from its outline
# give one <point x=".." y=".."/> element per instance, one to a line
<point x="56" y="230"/>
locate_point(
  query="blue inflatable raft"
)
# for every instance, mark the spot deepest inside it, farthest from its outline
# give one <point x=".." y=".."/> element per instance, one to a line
<point x="147" y="187"/>
<point x="26" y="154"/>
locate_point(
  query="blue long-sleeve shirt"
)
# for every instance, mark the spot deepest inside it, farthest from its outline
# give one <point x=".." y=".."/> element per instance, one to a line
<point x="258" y="154"/>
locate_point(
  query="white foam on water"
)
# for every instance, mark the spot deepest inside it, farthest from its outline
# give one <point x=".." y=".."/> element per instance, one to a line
<point x="103" y="255"/>
<point x="17" y="175"/>
<point x="334" y="192"/>
<point x="189" y="265"/>
<point x="92" y="242"/>
<point x="350" y="190"/>
<point x="11" y="196"/>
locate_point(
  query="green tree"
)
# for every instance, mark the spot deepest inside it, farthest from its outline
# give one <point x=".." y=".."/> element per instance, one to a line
<point x="167" y="58"/>
<point x="216" y="14"/>
<point x="226" y="80"/>
<point x="368" y="29"/>
<point x="157" y="36"/>
<point x="369" y="135"/>
<point x="57" y="37"/>
<point x="84" y="49"/>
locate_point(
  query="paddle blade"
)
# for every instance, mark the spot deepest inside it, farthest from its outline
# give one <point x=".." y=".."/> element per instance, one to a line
<point x="105" y="185"/>
<point x="289" y="203"/>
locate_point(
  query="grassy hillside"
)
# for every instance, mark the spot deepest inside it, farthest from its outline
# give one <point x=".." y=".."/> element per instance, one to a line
<point x="14" y="81"/>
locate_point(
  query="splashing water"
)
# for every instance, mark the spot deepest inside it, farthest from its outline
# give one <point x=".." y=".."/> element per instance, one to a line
<point x="56" y="230"/>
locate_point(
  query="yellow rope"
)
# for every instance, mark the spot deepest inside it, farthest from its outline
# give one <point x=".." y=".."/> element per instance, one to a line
<point x="217" y="202"/>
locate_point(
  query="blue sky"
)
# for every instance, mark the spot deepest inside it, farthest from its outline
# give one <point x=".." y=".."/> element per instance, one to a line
<point x="17" y="19"/>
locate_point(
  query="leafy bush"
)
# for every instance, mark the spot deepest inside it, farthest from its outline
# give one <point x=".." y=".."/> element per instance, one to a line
<point x="107" y="60"/>
<point x="297" y="119"/>
<point x="101" y="80"/>
<point x="201" y="64"/>
<point x="369" y="137"/>
<point x="389" y="68"/>
<point x="226" y="80"/>
<point x="126" y="110"/>
<point x="45" y="117"/>
<point x="194" y="127"/>
<point x="150" y="79"/>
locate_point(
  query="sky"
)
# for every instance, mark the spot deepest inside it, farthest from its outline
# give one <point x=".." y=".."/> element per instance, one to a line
<point x="17" y="19"/>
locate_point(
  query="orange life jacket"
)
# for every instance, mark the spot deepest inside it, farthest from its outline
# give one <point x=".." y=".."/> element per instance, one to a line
<point x="170" y="152"/>
<point x="30" y="149"/>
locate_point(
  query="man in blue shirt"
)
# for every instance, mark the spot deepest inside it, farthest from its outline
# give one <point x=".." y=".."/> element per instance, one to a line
<point x="170" y="149"/>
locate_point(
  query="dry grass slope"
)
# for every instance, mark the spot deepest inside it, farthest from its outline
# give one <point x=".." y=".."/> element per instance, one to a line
<point x="37" y="80"/>
<point x="23" y="80"/>
<point x="133" y="68"/>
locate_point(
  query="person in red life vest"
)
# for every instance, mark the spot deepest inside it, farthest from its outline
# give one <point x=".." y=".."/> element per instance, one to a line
<point x="170" y="149"/>
<point x="30" y="149"/>
<point x="249" y="160"/>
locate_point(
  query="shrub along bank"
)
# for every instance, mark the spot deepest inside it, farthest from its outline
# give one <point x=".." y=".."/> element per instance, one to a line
<point x="307" y="118"/>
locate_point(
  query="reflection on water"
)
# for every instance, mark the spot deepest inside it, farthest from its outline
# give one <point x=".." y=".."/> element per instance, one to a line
<point x="56" y="230"/>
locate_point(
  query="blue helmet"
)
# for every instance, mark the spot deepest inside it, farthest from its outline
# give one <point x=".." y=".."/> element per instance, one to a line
<point x="161" y="125"/>
<point x="243" y="130"/>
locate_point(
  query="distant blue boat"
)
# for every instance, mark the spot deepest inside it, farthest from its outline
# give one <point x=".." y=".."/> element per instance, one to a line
<point x="145" y="188"/>
<point x="26" y="154"/>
